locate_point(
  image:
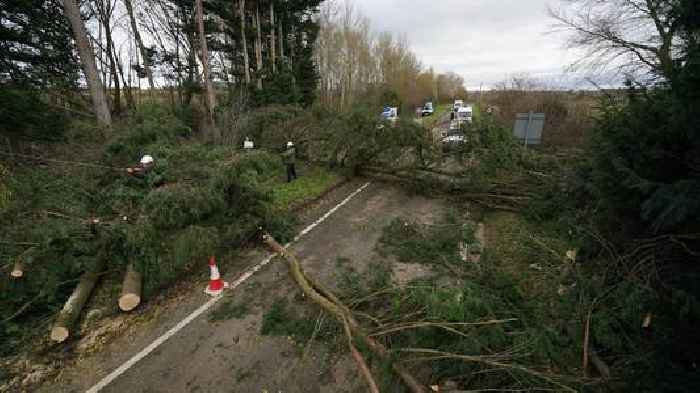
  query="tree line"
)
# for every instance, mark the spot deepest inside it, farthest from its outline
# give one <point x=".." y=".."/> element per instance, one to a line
<point x="262" y="48"/>
<point x="357" y="64"/>
<point x="102" y="56"/>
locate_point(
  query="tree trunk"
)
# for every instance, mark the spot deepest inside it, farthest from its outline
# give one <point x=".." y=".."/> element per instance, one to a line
<point x="139" y="42"/>
<point x="246" y="61"/>
<point x="204" y="58"/>
<point x="179" y="71"/>
<point x="126" y="87"/>
<point x="258" y="46"/>
<point x="71" y="310"/>
<point x="280" y="38"/>
<point x="272" y="37"/>
<point x="191" y="67"/>
<point x="87" y="60"/>
<point x="131" y="289"/>
<point x="105" y="16"/>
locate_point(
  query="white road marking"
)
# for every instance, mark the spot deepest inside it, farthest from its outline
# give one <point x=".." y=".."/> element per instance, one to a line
<point x="203" y="308"/>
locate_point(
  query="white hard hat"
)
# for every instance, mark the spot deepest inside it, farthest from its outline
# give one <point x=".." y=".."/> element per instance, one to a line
<point x="147" y="159"/>
<point x="290" y="144"/>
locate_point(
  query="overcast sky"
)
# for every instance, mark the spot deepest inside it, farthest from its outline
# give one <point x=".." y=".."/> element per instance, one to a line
<point x="482" y="40"/>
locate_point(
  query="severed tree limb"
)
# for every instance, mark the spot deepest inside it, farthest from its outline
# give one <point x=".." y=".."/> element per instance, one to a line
<point x="330" y="303"/>
<point x="360" y="360"/>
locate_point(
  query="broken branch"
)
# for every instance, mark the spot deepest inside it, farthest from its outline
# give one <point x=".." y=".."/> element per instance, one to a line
<point x="330" y="303"/>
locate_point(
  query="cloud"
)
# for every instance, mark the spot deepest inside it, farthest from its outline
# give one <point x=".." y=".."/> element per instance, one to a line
<point x="482" y="40"/>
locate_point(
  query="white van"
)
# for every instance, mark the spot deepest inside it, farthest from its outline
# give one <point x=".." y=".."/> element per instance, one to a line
<point x="464" y="114"/>
<point x="458" y="104"/>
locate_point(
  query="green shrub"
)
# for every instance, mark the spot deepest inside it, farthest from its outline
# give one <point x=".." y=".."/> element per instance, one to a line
<point x="24" y="114"/>
<point x="642" y="161"/>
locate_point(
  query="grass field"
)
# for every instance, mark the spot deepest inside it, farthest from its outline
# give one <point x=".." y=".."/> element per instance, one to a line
<point x="440" y="110"/>
<point x="313" y="181"/>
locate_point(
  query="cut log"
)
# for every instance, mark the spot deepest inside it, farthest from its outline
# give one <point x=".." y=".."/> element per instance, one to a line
<point x="71" y="310"/>
<point x="131" y="289"/>
<point x="18" y="270"/>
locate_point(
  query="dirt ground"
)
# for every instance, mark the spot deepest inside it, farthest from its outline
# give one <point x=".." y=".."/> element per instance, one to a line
<point x="231" y="355"/>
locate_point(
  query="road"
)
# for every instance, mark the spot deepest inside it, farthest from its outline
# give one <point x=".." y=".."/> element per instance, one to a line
<point x="231" y="355"/>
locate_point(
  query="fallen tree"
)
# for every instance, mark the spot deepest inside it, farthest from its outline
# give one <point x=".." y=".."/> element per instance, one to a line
<point x="509" y="196"/>
<point x="330" y="303"/>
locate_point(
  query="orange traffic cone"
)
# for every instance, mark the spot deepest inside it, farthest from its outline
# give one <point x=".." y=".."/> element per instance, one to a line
<point x="216" y="284"/>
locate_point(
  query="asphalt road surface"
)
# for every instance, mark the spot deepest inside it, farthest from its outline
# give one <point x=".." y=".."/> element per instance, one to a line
<point x="231" y="355"/>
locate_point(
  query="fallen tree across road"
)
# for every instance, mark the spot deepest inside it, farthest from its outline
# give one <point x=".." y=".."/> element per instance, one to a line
<point x="509" y="196"/>
<point x="330" y="303"/>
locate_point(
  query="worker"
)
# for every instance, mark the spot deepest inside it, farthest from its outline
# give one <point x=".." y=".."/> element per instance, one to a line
<point x="144" y="166"/>
<point x="248" y="143"/>
<point x="289" y="157"/>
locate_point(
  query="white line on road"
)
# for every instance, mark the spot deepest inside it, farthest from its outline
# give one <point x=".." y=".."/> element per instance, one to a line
<point x="203" y="308"/>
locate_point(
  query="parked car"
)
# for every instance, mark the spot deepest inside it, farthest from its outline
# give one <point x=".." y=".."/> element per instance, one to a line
<point x="458" y="104"/>
<point x="428" y="109"/>
<point x="390" y="113"/>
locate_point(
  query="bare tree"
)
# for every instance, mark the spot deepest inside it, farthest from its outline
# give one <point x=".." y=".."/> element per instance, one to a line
<point x="280" y="37"/>
<point x="139" y="43"/>
<point x="631" y="35"/>
<point x="105" y="10"/>
<point x="353" y="61"/>
<point x="246" y="61"/>
<point x="258" y="46"/>
<point x="87" y="60"/>
<point x="273" y="58"/>
<point x="127" y="85"/>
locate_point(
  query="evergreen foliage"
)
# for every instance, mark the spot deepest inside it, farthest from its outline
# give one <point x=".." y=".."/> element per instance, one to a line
<point x="26" y="116"/>
<point x="197" y="201"/>
<point x="36" y="46"/>
<point x="645" y="160"/>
